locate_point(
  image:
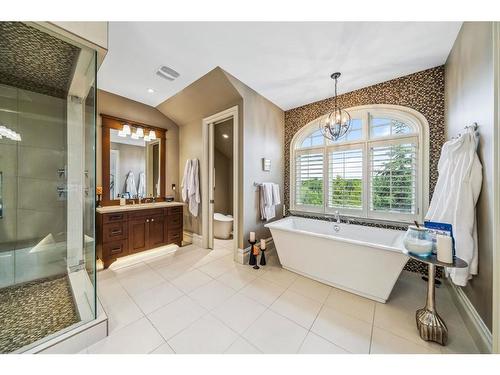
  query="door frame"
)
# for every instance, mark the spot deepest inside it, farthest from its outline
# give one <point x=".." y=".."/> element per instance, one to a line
<point x="496" y="194"/>
<point x="227" y="114"/>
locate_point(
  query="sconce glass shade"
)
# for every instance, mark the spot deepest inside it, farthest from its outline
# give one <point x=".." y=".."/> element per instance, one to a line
<point x="134" y="136"/>
<point x="146" y="138"/>
<point x="139" y="132"/>
<point x="126" y="129"/>
<point x="152" y="134"/>
<point x="122" y="134"/>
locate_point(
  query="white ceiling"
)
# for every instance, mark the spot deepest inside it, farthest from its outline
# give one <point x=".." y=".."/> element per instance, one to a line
<point x="289" y="63"/>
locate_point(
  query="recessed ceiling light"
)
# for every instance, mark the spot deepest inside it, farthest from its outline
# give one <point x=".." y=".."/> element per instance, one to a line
<point x="151" y="91"/>
<point x="225" y="136"/>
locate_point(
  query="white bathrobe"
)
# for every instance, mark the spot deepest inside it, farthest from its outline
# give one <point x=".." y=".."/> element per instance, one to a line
<point x="141" y="190"/>
<point x="130" y="185"/>
<point x="455" y="197"/>
<point x="191" y="186"/>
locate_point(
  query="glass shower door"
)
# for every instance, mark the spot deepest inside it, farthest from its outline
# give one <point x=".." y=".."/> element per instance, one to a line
<point x="47" y="169"/>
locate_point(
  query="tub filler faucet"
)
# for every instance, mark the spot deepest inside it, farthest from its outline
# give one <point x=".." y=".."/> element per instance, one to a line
<point x="336" y="226"/>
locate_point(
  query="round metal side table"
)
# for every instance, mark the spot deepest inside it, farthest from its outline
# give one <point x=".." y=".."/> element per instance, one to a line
<point x="429" y="324"/>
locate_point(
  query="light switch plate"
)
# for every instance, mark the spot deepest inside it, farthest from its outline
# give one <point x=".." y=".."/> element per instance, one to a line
<point x="266" y="164"/>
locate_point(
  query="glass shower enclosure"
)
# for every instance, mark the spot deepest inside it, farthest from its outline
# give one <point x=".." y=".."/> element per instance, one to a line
<point x="47" y="185"/>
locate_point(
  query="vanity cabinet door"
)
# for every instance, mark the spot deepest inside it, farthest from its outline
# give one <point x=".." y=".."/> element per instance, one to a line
<point x="138" y="235"/>
<point x="156" y="231"/>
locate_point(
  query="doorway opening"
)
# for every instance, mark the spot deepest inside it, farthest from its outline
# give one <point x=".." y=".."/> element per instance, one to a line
<point x="220" y="189"/>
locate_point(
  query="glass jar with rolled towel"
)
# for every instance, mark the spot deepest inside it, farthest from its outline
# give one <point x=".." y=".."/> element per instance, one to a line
<point x="418" y="241"/>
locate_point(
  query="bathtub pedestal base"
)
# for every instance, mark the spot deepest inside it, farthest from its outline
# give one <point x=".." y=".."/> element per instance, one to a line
<point x="430" y="325"/>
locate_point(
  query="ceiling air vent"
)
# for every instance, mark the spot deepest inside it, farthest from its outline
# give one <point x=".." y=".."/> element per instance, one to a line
<point x="167" y="73"/>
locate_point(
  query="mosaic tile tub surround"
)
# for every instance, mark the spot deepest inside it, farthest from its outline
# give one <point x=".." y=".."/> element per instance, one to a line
<point x="422" y="91"/>
<point x="34" y="310"/>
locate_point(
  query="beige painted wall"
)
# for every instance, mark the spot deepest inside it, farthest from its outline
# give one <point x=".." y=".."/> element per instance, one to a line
<point x="115" y="105"/>
<point x="261" y="129"/>
<point x="207" y="96"/>
<point x="469" y="97"/>
<point x="263" y="137"/>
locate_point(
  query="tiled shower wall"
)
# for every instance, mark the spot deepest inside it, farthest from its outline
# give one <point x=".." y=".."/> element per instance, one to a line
<point x="422" y="91"/>
<point x="31" y="205"/>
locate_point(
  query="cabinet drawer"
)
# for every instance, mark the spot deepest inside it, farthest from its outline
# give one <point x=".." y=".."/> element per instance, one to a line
<point x="174" y="221"/>
<point x="114" y="232"/>
<point x="113" y="218"/>
<point x="174" y="210"/>
<point x="145" y="213"/>
<point x="115" y="249"/>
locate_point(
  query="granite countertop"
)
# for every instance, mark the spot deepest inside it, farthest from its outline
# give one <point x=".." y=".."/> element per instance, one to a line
<point x="134" y="207"/>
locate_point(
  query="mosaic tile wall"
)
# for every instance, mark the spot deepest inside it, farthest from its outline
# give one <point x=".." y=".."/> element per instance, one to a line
<point x="422" y="91"/>
<point x="33" y="60"/>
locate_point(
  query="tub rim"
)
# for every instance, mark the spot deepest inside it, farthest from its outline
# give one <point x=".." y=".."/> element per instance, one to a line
<point x="275" y="226"/>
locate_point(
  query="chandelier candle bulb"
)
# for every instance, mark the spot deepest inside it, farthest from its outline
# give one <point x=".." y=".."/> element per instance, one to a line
<point x="444" y="248"/>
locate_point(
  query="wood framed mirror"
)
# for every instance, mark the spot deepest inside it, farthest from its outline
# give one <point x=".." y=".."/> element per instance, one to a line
<point x="132" y="165"/>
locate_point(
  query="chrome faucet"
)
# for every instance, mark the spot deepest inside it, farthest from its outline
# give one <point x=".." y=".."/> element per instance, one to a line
<point x="336" y="226"/>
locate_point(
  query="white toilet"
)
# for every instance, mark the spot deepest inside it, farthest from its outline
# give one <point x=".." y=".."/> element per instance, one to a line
<point x="223" y="226"/>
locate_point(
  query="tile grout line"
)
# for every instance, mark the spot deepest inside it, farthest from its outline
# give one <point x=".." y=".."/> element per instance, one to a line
<point x="371" y="332"/>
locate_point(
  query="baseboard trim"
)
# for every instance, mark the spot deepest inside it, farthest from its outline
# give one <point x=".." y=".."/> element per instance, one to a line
<point x="191" y="238"/>
<point x="243" y="255"/>
<point x="475" y="325"/>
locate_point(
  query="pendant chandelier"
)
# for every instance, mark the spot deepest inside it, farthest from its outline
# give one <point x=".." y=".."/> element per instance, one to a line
<point x="335" y="124"/>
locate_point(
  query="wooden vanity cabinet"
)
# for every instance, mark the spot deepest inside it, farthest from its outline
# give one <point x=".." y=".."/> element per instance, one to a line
<point x="125" y="233"/>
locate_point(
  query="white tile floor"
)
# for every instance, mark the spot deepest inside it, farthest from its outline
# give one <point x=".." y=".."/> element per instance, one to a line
<point x="199" y="301"/>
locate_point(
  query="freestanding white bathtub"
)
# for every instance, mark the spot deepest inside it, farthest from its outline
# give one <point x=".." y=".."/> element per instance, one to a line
<point x="359" y="259"/>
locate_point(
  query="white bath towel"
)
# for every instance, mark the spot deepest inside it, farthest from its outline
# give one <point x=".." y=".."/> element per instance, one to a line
<point x="190" y="186"/>
<point x="455" y="197"/>
<point x="185" y="180"/>
<point x="267" y="207"/>
<point x="141" y="190"/>
<point x="276" y="194"/>
<point x="194" y="188"/>
<point x="130" y="185"/>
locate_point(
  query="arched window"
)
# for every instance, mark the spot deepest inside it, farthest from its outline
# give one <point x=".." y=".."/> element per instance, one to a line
<point x="378" y="170"/>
